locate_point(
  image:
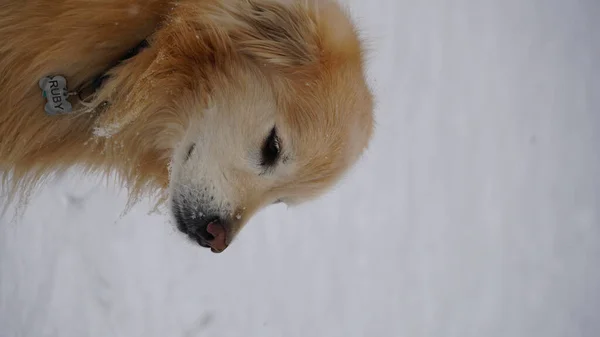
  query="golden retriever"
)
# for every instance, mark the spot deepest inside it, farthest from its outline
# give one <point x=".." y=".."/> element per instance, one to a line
<point x="232" y="105"/>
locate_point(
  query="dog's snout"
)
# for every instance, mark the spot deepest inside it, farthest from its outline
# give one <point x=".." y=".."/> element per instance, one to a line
<point x="207" y="230"/>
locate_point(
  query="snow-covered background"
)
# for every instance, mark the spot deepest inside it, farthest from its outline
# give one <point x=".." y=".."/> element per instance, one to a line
<point x="476" y="212"/>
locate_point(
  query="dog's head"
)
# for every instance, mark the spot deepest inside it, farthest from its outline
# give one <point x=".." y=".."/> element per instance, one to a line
<point x="272" y="103"/>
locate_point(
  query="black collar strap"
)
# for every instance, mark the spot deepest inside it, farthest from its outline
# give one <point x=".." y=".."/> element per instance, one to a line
<point x="97" y="81"/>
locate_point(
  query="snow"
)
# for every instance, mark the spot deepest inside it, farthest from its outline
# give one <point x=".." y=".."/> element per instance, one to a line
<point x="474" y="213"/>
<point x="107" y="131"/>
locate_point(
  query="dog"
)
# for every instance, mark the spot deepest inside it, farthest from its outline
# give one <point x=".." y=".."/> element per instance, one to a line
<point x="222" y="107"/>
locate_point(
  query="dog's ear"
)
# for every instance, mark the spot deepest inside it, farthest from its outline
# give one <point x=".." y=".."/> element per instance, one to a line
<point x="296" y="34"/>
<point x="282" y="34"/>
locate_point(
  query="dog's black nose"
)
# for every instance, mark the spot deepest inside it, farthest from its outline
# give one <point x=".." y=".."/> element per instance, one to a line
<point x="207" y="230"/>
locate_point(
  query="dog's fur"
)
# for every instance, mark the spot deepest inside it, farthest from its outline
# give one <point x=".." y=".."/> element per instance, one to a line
<point x="188" y="115"/>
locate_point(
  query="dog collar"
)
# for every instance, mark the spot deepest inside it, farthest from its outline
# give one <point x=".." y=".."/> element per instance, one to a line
<point x="55" y="90"/>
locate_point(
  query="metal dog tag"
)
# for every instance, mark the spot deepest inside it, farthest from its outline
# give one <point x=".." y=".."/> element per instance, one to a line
<point x="54" y="89"/>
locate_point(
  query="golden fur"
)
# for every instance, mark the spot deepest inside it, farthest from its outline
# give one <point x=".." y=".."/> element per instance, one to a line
<point x="217" y="74"/>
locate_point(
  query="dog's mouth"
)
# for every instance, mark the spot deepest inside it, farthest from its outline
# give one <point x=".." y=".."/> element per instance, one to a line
<point x="206" y="232"/>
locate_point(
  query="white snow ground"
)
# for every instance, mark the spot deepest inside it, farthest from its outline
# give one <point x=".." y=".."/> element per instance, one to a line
<point x="474" y="213"/>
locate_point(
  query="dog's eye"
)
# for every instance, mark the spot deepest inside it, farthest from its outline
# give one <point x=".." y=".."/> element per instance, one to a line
<point x="271" y="149"/>
<point x="190" y="151"/>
